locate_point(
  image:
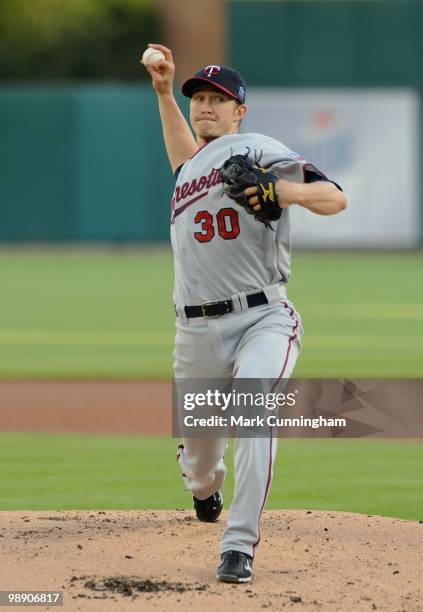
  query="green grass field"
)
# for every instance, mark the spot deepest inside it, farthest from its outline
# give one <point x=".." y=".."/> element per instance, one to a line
<point x="73" y="315"/>
<point x="109" y="314"/>
<point x="40" y="472"/>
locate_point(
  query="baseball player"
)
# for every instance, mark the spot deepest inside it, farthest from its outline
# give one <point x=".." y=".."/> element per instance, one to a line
<point x="231" y="241"/>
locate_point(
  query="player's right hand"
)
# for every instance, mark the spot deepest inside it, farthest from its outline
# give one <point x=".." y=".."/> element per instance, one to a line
<point x="162" y="73"/>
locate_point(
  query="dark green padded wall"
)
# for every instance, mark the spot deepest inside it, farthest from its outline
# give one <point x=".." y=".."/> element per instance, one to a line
<point x="328" y="42"/>
<point x="82" y="163"/>
<point x="35" y="164"/>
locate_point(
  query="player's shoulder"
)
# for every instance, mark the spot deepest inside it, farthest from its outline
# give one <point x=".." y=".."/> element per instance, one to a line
<point x="267" y="149"/>
<point x="251" y="137"/>
<point x="260" y="142"/>
<point x="263" y="138"/>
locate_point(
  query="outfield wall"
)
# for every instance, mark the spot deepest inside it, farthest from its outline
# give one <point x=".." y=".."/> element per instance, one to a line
<point x="88" y="163"/>
<point x="82" y="163"/>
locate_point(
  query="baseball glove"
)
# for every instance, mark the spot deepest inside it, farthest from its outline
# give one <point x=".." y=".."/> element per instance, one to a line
<point x="237" y="173"/>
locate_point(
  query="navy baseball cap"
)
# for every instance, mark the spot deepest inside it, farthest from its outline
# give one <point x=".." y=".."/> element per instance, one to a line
<point x="222" y="77"/>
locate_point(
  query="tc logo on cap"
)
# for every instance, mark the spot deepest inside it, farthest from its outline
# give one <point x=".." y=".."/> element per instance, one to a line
<point x="211" y="70"/>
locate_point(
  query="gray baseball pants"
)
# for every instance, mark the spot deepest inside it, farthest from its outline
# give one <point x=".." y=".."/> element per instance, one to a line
<point x="261" y="342"/>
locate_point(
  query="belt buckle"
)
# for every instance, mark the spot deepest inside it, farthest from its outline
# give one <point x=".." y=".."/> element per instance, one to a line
<point x="205" y="315"/>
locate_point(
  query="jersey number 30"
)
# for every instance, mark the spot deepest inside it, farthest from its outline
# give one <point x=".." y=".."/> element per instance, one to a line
<point x="227" y="224"/>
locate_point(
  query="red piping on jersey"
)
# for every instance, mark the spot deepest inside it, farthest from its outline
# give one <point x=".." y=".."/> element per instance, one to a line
<point x="269" y="474"/>
<point x="269" y="480"/>
<point x="198" y="150"/>
<point x="184" y="206"/>
<point x="291" y="339"/>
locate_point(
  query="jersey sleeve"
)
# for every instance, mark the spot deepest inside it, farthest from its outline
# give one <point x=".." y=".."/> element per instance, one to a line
<point x="313" y="175"/>
<point x="289" y="163"/>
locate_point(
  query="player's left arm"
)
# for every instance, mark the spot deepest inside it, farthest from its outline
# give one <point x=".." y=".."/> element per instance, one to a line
<point x="321" y="197"/>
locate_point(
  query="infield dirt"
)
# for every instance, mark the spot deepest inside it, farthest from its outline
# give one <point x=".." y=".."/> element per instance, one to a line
<point x="166" y="560"/>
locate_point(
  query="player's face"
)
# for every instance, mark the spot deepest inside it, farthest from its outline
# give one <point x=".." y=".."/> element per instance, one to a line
<point x="214" y="114"/>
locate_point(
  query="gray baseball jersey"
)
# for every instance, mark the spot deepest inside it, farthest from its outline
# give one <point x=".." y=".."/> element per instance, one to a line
<point x="219" y="249"/>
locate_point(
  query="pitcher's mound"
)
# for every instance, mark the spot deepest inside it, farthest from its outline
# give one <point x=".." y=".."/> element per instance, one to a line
<point x="307" y="560"/>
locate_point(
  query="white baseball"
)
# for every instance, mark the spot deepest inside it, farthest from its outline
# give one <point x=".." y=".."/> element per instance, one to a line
<point x="152" y="56"/>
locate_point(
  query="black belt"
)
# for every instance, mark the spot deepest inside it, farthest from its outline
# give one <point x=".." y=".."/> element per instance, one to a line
<point x="217" y="309"/>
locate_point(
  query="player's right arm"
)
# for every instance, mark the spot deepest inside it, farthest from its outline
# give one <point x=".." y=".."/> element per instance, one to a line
<point x="179" y="140"/>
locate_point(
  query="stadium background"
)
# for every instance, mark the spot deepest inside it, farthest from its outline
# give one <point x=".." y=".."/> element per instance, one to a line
<point x="85" y="265"/>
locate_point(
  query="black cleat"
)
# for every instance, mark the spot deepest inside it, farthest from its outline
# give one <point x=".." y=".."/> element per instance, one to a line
<point x="208" y="510"/>
<point x="235" y="566"/>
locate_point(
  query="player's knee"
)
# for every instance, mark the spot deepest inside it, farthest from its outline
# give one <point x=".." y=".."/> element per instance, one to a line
<point x="205" y="467"/>
<point x="201" y="473"/>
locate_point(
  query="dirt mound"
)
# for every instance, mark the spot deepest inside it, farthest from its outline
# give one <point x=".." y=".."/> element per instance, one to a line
<point x="307" y="560"/>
